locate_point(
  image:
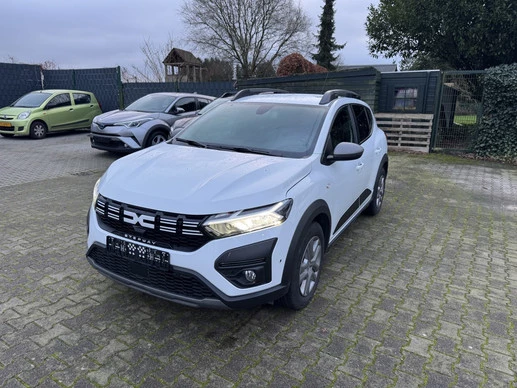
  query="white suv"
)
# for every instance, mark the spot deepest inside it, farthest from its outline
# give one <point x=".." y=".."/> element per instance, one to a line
<point x="239" y="209"/>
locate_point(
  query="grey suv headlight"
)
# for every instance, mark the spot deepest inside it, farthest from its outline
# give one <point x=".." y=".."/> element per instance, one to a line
<point x="133" y="123"/>
<point x="250" y="220"/>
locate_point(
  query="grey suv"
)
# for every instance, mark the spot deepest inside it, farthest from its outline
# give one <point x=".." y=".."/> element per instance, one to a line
<point x="145" y="122"/>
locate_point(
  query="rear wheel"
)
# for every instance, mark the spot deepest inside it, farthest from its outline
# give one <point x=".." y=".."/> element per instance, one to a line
<point x="306" y="272"/>
<point x="38" y="130"/>
<point x="156" y="137"/>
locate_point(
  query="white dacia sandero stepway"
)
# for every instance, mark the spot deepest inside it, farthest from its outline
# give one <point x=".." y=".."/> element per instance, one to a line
<point x="239" y="208"/>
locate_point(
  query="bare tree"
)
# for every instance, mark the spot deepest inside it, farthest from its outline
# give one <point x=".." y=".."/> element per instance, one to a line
<point x="153" y="70"/>
<point x="250" y="32"/>
<point x="49" y="65"/>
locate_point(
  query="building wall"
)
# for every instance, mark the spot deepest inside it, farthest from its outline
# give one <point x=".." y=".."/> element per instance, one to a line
<point x="426" y="83"/>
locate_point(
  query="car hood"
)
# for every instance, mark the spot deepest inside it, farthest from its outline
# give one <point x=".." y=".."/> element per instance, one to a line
<point x="12" y="111"/>
<point x="189" y="180"/>
<point x="117" y="116"/>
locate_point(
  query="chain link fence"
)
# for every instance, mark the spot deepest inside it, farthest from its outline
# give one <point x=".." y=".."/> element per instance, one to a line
<point x="459" y="111"/>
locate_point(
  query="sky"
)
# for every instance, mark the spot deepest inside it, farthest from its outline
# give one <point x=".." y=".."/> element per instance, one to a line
<point x="79" y="34"/>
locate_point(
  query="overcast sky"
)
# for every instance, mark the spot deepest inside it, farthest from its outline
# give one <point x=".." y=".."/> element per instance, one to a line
<point x="78" y="34"/>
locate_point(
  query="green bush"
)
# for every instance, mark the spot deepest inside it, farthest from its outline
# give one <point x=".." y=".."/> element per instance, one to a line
<point x="498" y="129"/>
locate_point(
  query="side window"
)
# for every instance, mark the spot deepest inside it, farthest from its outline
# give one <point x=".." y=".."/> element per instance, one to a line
<point x="202" y="102"/>
<point x="363" y="120"/>
<point x="341" y="130"/>
<point x="81" y="98"/>
<point x="188" y="104"/>
<point x="59" y="100"/>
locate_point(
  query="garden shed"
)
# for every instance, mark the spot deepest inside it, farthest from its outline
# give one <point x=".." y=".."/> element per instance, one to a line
<point x="182" y="66"/>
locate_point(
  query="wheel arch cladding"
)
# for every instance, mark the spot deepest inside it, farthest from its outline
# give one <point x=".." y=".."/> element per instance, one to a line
<point x="317" y="212"/>
<point x="156" y="128"/>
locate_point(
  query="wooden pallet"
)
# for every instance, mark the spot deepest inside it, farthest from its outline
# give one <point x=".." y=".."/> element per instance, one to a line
<point x="406" y="132"/>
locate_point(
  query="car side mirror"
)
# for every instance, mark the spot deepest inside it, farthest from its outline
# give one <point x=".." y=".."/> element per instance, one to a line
<point x="346" y="151"/>
<point x="176" y="110"/>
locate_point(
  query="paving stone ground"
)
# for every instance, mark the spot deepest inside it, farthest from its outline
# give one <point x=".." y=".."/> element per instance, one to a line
<point x="424" y="294"/>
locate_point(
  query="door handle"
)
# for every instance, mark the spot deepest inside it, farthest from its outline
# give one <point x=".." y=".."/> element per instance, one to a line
<point x="71" y="109"/>
<point x="359" y="166"/>
<point x="378" y="150"/>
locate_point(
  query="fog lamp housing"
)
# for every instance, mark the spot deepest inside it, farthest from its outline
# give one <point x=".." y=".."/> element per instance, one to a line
<point x="247" y="266"/>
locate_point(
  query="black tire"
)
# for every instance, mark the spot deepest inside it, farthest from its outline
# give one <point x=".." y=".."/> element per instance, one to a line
<point x="7" y="134"/>
<point x="307" y="268"/>
<point x="38" y="130"/>
<point x="156" y="137"/>
<point x="378" y="194"/>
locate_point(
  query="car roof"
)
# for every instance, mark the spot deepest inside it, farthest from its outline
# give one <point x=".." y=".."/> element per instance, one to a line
<point x="59" y="91"/>
<point x="294" y="98"/>
<point x="179" y="94"/>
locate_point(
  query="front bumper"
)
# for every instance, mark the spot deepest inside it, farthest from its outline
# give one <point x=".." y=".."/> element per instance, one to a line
<point x="14" y="127"/>
<point x="177" y="285"/>
<point x="113" y="143"/>
<point x="211" y="276"/>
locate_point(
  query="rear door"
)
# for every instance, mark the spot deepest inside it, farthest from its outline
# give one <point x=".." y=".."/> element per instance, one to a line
<point x="364" y="125"/>
<point x="84" y="110"/>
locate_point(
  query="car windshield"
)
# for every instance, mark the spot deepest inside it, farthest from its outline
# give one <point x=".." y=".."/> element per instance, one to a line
<point x="212" y="105"/>
<point x="288" y="130"/>
<point x="152" y="103"/>
<point x="31" y="100"/>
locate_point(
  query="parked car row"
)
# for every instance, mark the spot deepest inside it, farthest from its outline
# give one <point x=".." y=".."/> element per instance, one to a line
<point x="145" y="122"/>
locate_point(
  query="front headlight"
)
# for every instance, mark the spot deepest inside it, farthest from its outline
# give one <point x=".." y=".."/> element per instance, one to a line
<point x="133" y="123"/>
<point x="250" y="220"/>
<point x="96" y="190"/>
<point x="24" y="115"/>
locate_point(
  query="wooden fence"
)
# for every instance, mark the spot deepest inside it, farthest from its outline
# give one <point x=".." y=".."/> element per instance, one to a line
<point x="406" y="132"/>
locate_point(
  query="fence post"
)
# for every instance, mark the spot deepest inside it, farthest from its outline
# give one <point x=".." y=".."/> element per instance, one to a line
<point x="120" y="89"/>
<point x="437" y="110"/>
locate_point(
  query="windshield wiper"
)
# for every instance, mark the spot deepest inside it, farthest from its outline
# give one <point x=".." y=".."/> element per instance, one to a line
<point x="191" y="142"/>
<point x="246" y="150"/>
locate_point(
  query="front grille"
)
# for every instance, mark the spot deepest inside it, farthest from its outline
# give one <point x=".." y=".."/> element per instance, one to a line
<point x="171" y="281"/>
<point x="167" y="230"/>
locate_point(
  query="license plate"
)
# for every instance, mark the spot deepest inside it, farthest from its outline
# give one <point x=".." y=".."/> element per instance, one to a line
<point x="138" y="253"/>
<point x="4" y="124"/>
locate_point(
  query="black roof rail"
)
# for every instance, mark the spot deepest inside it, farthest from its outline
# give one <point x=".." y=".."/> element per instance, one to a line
<point x="333" y="94"/>
<point x="228" y="94"/>
<point x="253" y="91"/>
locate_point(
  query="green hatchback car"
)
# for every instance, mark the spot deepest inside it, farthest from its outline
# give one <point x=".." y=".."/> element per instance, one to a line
<point x="40" y="112"/>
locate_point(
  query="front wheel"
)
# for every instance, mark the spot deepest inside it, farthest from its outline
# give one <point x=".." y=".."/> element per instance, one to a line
<point x="156" y="138"/>
<point x="378" y="193"/>
<point x="38" y="130"/>
<point x="307" y="267"/>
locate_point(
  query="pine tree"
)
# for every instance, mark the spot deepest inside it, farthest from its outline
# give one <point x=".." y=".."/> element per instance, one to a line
<point x="326" y="43"/>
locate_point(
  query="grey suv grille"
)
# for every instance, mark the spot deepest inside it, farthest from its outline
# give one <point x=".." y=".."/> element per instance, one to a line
<point x="167" y="230"/>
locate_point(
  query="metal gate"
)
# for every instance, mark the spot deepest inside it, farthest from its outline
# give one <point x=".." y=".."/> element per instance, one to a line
<point x="459" y="111"/>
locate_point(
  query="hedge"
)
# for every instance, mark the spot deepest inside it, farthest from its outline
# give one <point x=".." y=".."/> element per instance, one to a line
<point x="498" y="130"/>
